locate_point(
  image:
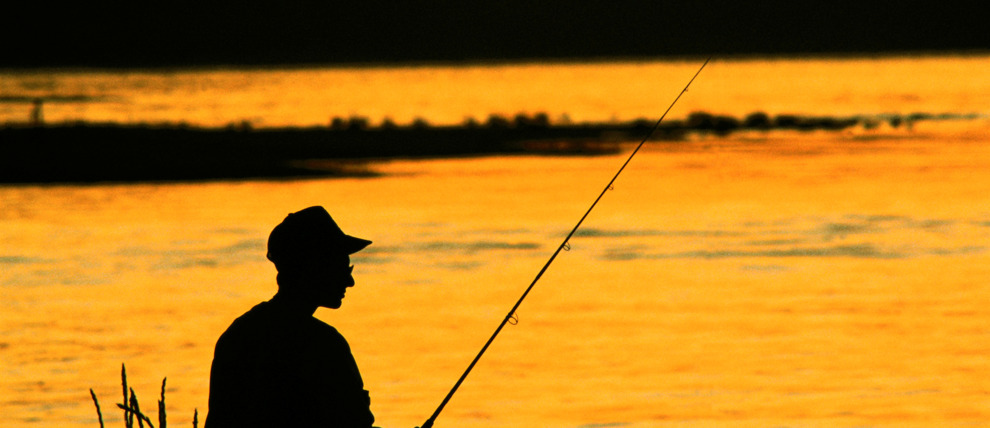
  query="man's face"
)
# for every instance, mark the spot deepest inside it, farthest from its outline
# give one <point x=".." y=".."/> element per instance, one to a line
<point x="328" y="278"/>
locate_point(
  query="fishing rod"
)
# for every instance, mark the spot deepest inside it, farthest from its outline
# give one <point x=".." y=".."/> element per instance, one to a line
<point x="511" y="316"/>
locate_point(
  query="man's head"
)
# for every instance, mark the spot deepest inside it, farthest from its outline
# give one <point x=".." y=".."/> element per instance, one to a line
<point x="312" y="256"/>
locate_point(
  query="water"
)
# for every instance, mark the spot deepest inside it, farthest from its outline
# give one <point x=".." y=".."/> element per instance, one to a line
<point x="821" y="279"/>
<point x="449" y="95"/>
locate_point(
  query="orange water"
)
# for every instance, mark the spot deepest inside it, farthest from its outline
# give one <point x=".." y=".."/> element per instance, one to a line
<point x="760" y="280"/>
<point x="448" y="95"/>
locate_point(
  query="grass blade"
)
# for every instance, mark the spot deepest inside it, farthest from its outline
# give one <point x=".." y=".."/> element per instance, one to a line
<point x="141" y="417"/>
<point x="128" y="417"/>
<point x="137" y="409"/>
<point x="99" y="413"/>
<point x="161" y="406"/>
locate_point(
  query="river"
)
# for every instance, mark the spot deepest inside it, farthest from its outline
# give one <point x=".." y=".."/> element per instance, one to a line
<point x="757" y="279"/>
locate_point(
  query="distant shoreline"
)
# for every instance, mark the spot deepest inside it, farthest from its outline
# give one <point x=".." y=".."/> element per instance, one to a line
<point x="108" y="152"/>
<point x="427" y="63"/>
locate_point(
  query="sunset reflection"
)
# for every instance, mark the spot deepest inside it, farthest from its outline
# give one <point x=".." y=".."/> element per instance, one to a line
<point x="758" y="279"/>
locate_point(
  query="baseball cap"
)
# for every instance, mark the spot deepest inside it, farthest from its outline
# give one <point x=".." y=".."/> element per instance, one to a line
<point x="308" y="232"/>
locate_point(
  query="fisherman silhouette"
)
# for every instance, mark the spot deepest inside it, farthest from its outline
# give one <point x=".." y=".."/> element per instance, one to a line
<point x="277" y="365"/>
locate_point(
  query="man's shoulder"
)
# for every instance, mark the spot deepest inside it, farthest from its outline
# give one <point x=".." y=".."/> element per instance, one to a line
<point x="257" y="314"/>
<point x="322" y="328"/>
<point x="246" y="324"/>
<point x="265" y="316"/>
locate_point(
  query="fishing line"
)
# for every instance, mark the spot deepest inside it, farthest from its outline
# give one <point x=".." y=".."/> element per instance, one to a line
<point x="511" y="317"/>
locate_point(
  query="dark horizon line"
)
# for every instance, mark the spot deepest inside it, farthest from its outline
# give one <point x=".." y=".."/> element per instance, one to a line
<point x="500" y="61"/>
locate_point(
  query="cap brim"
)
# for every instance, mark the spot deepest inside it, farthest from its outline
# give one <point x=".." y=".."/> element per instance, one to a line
<point x="352" y="245"/>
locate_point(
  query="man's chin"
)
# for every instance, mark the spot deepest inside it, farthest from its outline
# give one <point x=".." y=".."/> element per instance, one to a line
<point x="333" y="304"/>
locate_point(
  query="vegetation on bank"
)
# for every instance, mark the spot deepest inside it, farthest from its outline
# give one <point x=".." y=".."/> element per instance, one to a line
<point x="93" y="152"/>
<point x="698" y="121"/>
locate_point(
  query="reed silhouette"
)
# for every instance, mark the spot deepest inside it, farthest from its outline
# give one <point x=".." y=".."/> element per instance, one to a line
<point x="132" y="407"/>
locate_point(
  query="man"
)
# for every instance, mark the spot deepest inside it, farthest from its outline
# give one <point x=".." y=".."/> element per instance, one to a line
<point x="277" y="365"/>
